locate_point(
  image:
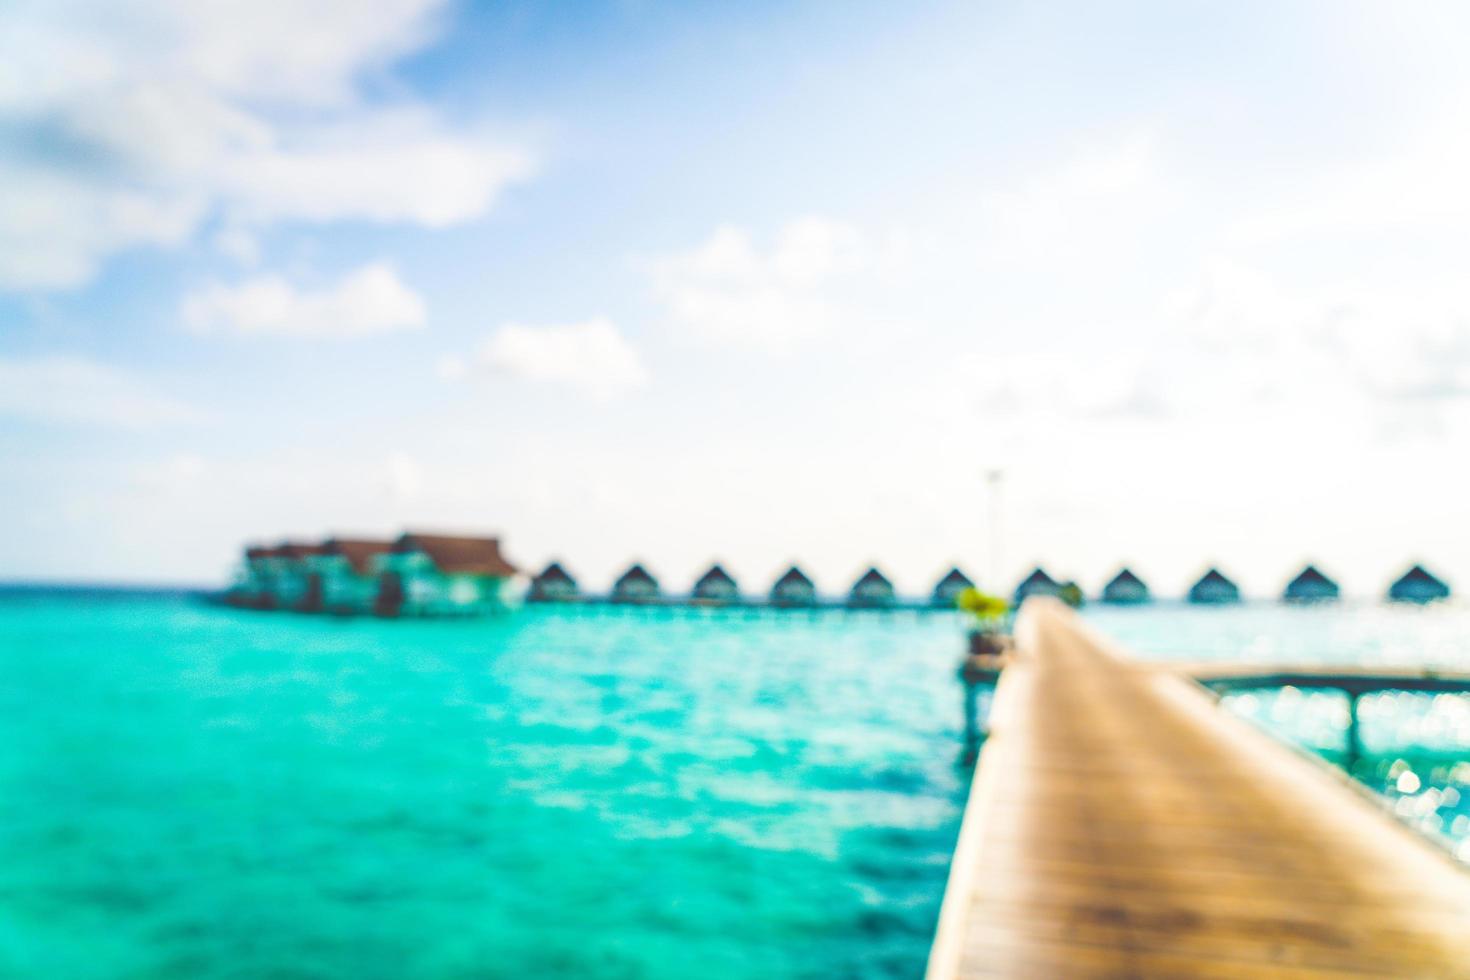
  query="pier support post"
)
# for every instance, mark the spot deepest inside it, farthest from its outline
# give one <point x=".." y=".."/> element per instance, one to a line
<point x="971" y="749"/>
<point x="1354" y="739"/>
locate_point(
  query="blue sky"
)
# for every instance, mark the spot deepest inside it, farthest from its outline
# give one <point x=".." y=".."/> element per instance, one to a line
<point x="752" y="282"/>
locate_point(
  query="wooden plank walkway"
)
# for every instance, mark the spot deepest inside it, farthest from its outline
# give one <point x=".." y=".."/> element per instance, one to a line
<point x="1121" y="825"/>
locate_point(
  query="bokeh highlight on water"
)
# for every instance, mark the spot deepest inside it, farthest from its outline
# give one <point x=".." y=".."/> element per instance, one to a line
<point x="195" y="792"/>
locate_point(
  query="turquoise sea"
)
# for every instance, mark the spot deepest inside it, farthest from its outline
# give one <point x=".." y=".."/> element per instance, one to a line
<point x="191" y="791"/>
<point x="197" y="792"/>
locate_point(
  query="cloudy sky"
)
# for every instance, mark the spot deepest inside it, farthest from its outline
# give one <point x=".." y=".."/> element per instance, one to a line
<point x="755" y="282"/>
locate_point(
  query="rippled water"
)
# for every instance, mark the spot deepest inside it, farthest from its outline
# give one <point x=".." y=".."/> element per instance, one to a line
<point x="195" y="792"/>
<point x="1416" y="746"/>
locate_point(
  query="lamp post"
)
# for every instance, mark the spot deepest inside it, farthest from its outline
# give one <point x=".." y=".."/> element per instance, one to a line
<point x="993" y="479"/>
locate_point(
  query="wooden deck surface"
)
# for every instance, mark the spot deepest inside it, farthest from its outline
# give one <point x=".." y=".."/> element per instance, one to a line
<point x="1122" y="825"/>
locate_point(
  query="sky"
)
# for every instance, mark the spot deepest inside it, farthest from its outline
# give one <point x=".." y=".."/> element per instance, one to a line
<point x="756" y="283"/>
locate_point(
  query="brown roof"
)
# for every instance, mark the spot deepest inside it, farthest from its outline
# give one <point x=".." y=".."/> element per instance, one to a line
<point x="555" y="573"/>
<point x="359" y="552"/>
<point x="297" y="549"/>
<point x="465" y="556"/>
<point x="258" y="551"/>
<point x="794" y="578"/>
<point x="633" y="576"/>
<point x="873" y="577"/>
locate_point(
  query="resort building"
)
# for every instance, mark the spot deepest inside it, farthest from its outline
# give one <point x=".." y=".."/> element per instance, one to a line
<point x="442" y="575"/>
<point x="255" y="583"/>
<point x="1037" y="583"/>
<point x="716" y="586"/>
<point x="1214" y="589"/>
<point x="1418" y="585"/>
<point x="871" y="591"/>
<point x="1311" y="586"/>
<point x="794" y="590"/>
<point x="1126" y="589"/>
<point x="292" y="586"/>
<point x="343" y="577"/>
<point x="947" y="591"/>
<point x="554" y="584"/>
<point x="635" y="586"/>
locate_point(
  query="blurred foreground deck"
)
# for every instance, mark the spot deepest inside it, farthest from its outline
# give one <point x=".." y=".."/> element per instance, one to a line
<point x="1121" y="825"/>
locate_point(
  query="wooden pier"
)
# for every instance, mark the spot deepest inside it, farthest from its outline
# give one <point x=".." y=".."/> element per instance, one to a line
<point x="1121" y="825"/>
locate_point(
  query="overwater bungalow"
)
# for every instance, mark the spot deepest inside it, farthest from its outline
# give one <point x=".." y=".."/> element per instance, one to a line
<point x="343" y="577"/>
<point x="716" y="587"/>
<point x="293" y="579"/>
<point x="635" y="586"/>
<point x="254" y="585"/>
<point x="1037" y="583"/>
<point x="1126" y="589"/>
<point x="444" y="575"/>
<point x="947" y="591"/>
<point x="1311" y="586"/>
<point x="1418" y="585"/>
<point x="1214" y="589"/>
<point x="554" y="584"/>
<point x="871" y="591"/>
<point x="793" y="590"/>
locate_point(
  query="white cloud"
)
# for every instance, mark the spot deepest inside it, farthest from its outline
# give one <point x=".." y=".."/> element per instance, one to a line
<point x="269" y="50"/>
<point x="126" y="128"/>
<point x="1092" y="187"/>
<point x="1343" y="340"/>
<point x="77" y="391"/>
<point x="394" y="166"/>
<point x="239" y="245"/>
<point x="1062" y="387"/>
<point x="372" y="300"/>
<point x="730" y="291"/>
<point x="1416" y="186"/>
<point x="54" y="228"/>
<point x="592" y="356"/>
<point x="452" y="367"/>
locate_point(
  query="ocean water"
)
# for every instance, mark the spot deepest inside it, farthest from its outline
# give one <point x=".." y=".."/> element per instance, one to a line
<point x="198" y="792"/>
<point x="1416" y="747"/>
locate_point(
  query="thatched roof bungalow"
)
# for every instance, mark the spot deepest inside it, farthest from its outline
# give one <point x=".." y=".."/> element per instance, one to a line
<point x="1037" y="583"/>
<point x="793" y="590"/>
<point x="635" y="586"/>
<point x="554" y="584"/>
<point x="716" y="587"/>
<point x="871" y="591"/>
<point x="1311" y="586"/>
<point x="947" y="590"/>
<point x="1214" y="588"/>
<point x="1126" y="589"/>
<point x="1418" y="585"/>
<point x="444" y="575"/>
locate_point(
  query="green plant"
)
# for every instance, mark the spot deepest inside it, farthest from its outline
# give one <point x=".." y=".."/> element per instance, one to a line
<point x="989" y="611"/>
